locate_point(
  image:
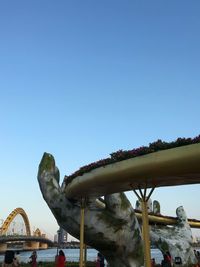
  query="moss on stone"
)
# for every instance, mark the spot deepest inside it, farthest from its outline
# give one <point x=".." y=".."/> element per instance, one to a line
<point x="125" y="204"/>
<point x="51" y="187"/>
<point x="98" y="240"/>
<point x="50" y="184"/>
<point x="133" y="225"/>
<point x="46" y="163"/>
<point x="112" y="222"/>
<point x="57" y="175"/>
<point x="137" y="234"/>
<point x="132" y="216"/>
<point x="104" y="243"/>
<point x="139" y="252"/>
<point x="179" y="247"/>
<point x="164" y="246"/>
<point x="58" y="214"/>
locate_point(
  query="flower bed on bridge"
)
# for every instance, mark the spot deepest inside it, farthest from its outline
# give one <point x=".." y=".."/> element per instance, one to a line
<point x="127" y="154"/>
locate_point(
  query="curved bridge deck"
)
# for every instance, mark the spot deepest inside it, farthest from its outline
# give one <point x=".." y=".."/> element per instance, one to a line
<point x="5" y="239"/>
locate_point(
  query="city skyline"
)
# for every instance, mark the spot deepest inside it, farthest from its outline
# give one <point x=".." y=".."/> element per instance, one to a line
<point x="81" y="80"/>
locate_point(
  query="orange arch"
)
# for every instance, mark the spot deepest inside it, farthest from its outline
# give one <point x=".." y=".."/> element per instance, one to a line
<point x="11" y="217"/>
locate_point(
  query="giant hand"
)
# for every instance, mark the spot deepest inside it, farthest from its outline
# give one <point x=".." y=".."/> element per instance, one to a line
<point x="110" y="227"/>
<point x="177" y="239"/>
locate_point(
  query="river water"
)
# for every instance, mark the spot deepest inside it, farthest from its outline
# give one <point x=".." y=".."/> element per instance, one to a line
<point x="48" y="255"/>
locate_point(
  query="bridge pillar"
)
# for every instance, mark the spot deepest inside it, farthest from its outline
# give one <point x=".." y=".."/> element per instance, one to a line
<point x="31" y="245"/>
<point x="43" y="245"/>
<point x="3" y="247"/>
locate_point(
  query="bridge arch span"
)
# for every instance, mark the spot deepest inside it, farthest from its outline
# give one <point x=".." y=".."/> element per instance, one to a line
<point x="11" y="217"/>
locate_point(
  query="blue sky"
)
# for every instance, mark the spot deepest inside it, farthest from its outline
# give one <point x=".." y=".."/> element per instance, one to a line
<point x="82" y="79"/>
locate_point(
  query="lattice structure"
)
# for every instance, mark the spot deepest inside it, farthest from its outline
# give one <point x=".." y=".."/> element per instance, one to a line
<point x="11" y="217"/>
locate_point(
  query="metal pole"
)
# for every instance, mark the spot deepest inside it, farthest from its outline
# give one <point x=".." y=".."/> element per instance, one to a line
<point x="145" y="233"/>
<point x="145" y="224"/>
<point x="85" y="255"/>
<point x="81" y="232"/>
<point x="59" y="239"/>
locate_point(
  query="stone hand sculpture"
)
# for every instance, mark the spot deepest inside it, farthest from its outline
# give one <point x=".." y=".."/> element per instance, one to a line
<point x="177" y="239"/>
<point x="110" y="226"/>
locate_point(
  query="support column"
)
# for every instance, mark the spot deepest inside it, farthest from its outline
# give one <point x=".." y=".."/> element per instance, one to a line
<point x="145" y="224"/>
<point x="85" y="255"/>
<point x="31" y="245"/>
<point x="145" y="233"/>
<point x="43" y="246"/>
<point x="82" y="231"/>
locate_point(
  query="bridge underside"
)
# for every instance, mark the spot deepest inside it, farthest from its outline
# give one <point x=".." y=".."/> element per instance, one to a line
<point x="28" y="245"/>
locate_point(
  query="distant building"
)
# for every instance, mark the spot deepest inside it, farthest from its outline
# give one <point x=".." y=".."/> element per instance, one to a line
<point x="62" y="236"/>
<point x="55" y="238"/>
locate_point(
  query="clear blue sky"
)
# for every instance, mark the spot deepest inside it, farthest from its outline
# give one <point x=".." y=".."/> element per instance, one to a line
<point x="82" y="79"/>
